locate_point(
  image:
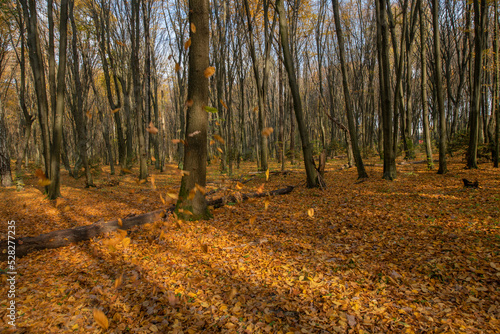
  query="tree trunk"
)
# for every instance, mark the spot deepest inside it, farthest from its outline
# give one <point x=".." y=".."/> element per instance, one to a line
<point x="423" y="83"/>
<point x="385" y="93"/>
<point x="195" y="157"/>
<point x="350" y="118"/>
<point x="439" y="89"/>
<point x="312" y="180"/>
<point x="480" y="11"/>
<point x="5" y="173"/>
<point x="55" y="154"/>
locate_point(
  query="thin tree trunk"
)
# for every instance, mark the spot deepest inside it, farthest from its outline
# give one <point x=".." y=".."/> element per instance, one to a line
<point x="312" y="180"/>
<point x="350" y="118"/>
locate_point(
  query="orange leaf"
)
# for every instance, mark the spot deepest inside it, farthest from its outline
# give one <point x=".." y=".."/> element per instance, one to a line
<point x="177" y="67"/>
<point x="187" y="44"/>
<point x="223" y="104"/>
<point x="219" y="139"/>
<point x="209" y="71"/>
<point x="189" y="103"/>
<point x="193" y="28"/>
<point x="152" y="129"/>
<point x="266" y="132"/>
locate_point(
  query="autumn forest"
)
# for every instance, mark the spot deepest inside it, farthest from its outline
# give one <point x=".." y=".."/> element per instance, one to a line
<point x="252" y="166"/>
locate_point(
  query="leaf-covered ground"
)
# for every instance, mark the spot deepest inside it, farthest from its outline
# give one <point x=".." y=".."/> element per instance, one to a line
<point x="419" y="255"/>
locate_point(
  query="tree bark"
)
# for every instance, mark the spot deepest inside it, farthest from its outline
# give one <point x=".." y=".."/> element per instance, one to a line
<point x="348" y="104"/>
<point x="195" y="157"/>
<point x="312" y="179"/>
<point x="54" y="190"/>
<point x="439" y="89"/>
<point x="5" y="173"/>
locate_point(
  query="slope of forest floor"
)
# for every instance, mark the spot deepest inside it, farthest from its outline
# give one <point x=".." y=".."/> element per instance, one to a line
<point x="416" y="255"/>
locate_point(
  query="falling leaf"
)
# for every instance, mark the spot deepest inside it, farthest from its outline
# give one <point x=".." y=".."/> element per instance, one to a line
<point x="194" y="133"/>
<point x="162" y="199"/>
<point x="192" y="193"/>
<point x="223" y="104"/>
<point x="66" y="208"/>
<point x="210" y="109"/>
<point x="260" y="189"/>
<point x="177" y="67"/>
<point x="153" y="185"/>
<point x="153" y="159"/>
<point x="173" y="195"/>
<point x="267" y="174"/>
<point x="239" y="185"/>
<point x="212" y="142"/>
<point x="252" y="220"/>
<point x="200" y="188"/>
<point x="101" y="319"/>
<point x="187" y="44"/>
<point x="209" y="71"/>
<point x="310" y="212"/>
<point x="152" y="129"/>
<point x="126" y="171"/>
<point x="44" y="183"/>
<point x="189" y="103"/>
<point x="219" y="139"/>
<point x="220" y="150"/>
<point x="193" y="28"/>
<point x="266" y="204"/>
<point x="114" y="111"/>
<point x="266" y="132"/>
<point x="176" y="141"/>
<point x="120" y="223"/>
<point x="118" y="281"/>
<point x="89" y="114"/>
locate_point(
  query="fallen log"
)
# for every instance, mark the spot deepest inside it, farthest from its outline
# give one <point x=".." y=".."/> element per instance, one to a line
<point x="61" y="238"/>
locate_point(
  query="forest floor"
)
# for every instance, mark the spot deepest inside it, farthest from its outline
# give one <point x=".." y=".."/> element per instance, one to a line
<point x="416" y="255"/>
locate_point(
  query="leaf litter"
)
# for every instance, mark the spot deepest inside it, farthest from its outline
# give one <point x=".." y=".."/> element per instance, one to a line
<point x="419" y="254"/>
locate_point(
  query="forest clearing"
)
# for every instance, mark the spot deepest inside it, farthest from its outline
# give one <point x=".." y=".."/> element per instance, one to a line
<point x="413" y="255"/>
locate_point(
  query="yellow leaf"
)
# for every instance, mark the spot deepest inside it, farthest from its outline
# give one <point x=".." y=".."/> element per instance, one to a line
<point x="162" y="200"/>
<point x="118" y="281"/>
<point x="219" y="139"/>
<point x="209" y="71"/>
<point x="153" y="159"/>
<point x="187" y="44"/>
<point x="310" y="212"/>
<point x="193" y="28"/>
<point x="184" y="172"/>
<point x="115" y="110"/>
<point x="101" y="319"/>
<point x="220" y="150"/>
<point x="187" y="212"/>
<point x="120" y="223"/>
<point x="267" y="174"/>
<point x="266" y="132"/>
<point x="173" y="195"/>
<point x="212" y="142"/>
<point x="266" y="204"/>
<point x="126" y="242"/>
<point x="200" y="188"/>
<point x="152" y="129"/>
<point x="153" y="182"/>
<point x="44" y="182"/>
<point x="177" y="67"/>
<point x="239" y="185"/>
<point x="261" y="188"/>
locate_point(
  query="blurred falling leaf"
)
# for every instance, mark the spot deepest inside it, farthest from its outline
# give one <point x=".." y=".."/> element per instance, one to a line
<point x="101" y="319"/>
<point x="153" y="185"/>
<point x="310" y="212"/>
<point x="239" y="185"/>
<point x="267" y="174"/>
<point x="223" y="104"/>
<point x="212" y="142"/>
<point x="210" y="109"/>
<point x="194" y="133"/>
<point x="126" y="171"/>
<point x="209" y="71"/>
<point x="153" y="159"/>
<point x="118" y="281"/>
<point x="152" y="129"/>
<point x="177" y="67"/>
<point x="187" y="44"/>
<point x="266" y="132"/>
<point x="219" y="139"/>
<point x="266" y="204"/>
<point x="189" y="103"/>
<point x="260" y="189"/>
<point x="220" y="150"/>
<point x="126" y="242"/>
<point x="162" y="199"/>
<point x="252" y="220"/>
<point x="193" y="28"/>
<point x="120" y="223"/>
<point x="115" y="110"/>
<point x="192" y="193"/>
<point x="200" y="188"/>
<point x="173" y="195"/>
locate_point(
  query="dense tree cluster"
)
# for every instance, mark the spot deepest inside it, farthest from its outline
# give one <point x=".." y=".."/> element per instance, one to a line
<point x="149" y="82"/>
